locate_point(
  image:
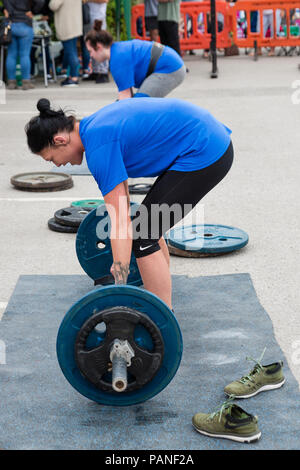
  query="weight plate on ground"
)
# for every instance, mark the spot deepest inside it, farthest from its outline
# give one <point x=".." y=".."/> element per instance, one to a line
<point x="71" y="216"/>
<point x="88" y="203"/>
<point x="93" y="248"/>
<point x="53" y="225"/>
<point x="132" y="298"/>
<point x="42" y="181"/>
<point x="206" y="240"/>
<point x="139" y="188"/>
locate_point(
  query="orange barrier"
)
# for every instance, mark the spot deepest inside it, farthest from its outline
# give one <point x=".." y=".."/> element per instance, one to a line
<point x="276" y="28"/>
<point x="236" y="24"/>
<point x="194" y="27"/>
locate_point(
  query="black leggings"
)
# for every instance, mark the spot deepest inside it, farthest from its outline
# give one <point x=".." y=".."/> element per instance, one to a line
<point x="183" y="189"/>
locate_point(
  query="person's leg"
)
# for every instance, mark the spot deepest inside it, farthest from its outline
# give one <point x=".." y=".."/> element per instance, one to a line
<point x="265" y="23"/>
<point x="71" y="57"/>
<point x="164" y="248"/>
<point x="32" y="60"/>
<point x="12" y="56"/>
<point x="172" y="36"/>
<point x="278" y="22"/>
<point x="25" y="44"/>
<point x="171" y="198"/>
<point x="74" y="60"/>
<point x="85" y="56"/>
<point x="64" y="69"/>
<point x="162" y="32"/>
<point x="67" y="52"/>
<point x="253" y="20"/>
<point x="156" y="276"/>
<point x="48" y="59"/>
<point x="152" y="26"/>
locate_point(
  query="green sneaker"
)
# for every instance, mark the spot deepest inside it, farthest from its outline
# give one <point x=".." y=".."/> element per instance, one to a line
<point x="260" y="379"/>
<point x="228" y="422"/>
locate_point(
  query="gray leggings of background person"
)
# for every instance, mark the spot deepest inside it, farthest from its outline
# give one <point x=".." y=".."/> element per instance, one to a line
<point x="158" y="85"/>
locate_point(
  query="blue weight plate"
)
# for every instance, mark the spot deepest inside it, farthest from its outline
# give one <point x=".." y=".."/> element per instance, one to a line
<point x="112" y="296"/>
<point x="93" y="247"/>
<point x="214" y="239"/>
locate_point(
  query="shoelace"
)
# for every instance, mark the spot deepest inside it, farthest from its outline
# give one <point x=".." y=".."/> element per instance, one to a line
<point x="258" y="366"/>
<point x="223" y="407"/>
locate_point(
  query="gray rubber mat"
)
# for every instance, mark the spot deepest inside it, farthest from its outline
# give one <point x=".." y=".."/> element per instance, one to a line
<point x="222" y="322"/>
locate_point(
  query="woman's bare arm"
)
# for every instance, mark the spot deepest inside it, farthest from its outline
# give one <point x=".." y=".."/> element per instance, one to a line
<point x="121" y="232"/>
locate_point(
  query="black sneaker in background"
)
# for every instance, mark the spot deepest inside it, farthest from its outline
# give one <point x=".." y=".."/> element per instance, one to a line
<point x="69" y="82"/>
<point x="90" y="78"/>
<point x="102" y="78"/>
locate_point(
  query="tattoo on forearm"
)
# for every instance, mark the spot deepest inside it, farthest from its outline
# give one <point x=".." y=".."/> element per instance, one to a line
<point x="121" y="272"/>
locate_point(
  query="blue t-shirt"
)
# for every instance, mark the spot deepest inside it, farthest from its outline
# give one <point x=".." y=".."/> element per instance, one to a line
<point x="145" y="137"/>
<point x="129" y="62"/>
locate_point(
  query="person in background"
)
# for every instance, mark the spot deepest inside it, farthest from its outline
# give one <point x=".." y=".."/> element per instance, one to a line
<point x="99" y="69"/>
<point x="85" y="56"/>
<point x="153" y="69"/>
<point x="69" y="27"/>
<point x="20" y="13"/>
<point x="168" y="23"/>
<point x="268" y="27"/>
<point x="151" y="12"/>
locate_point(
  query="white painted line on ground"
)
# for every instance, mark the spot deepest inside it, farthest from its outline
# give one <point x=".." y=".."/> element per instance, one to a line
<point x="44" y="199"/>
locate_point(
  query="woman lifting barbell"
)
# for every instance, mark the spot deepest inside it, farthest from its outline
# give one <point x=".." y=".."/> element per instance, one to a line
<point x="153" y="69"/>
<point x="184" y="145"/>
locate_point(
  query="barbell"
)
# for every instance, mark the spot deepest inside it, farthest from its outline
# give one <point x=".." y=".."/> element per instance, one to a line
<point x="119" y="344"/>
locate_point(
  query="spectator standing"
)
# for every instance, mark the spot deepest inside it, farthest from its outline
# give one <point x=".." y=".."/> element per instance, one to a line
<point x="168" y="23"/>
<point x="151" y="12"/>
<point x="268" y="26"/>
<point x="20" y="13"/>
<point x="98" y="12"/>
<point x="68" y="24"/>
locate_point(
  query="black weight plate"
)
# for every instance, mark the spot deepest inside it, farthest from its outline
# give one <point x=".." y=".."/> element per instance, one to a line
<point x="41" y="181"/>
<point x="71" y="216"/>
<point x="139" y="188"/>
<point x="53" y="225"/>
<point x="47" y="190"/>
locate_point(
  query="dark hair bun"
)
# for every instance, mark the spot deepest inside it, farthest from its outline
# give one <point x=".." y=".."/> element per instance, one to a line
<point x="98" y="25"/>
<point x="44" y="107"/>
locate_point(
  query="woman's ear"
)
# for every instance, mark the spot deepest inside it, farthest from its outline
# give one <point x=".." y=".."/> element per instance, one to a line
<point x="99" y="47"/>
<point x="61" y="139"/>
